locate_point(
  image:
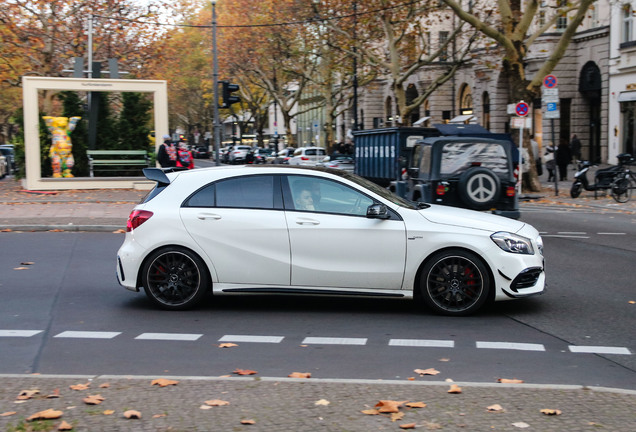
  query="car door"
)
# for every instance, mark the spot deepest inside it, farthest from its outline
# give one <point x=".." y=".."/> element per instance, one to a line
<point x="241" y="226"/>
<point x="335" y="244"/>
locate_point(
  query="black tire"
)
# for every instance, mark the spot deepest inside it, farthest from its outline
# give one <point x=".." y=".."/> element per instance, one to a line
<point x="575" y="190"/>
<point x="455" y="283"/>
<point x="479" y="188"/>
<point x="175" y="278"/>
<point x="621" y="190"/>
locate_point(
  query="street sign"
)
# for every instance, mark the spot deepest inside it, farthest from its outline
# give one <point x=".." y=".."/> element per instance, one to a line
<point x="522" y="109"/>
<point x="550" y="99"/>
<point x="550" y="81"/>
<point x="550" y="91"/>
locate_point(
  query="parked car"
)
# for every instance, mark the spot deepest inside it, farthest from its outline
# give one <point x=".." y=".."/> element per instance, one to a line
<point x="240" y="153"/>
<point x="283" y="156"/>
<point x="261" y="155"/>
<point x="224" y="154"/>
<point x="339" y="161"/>
<point x="201" y="152"/>
<point x="311" y="156"/>
<point x="8" y="152"/>
<point x="474" y="173"/>
<point x="316" y="231"/>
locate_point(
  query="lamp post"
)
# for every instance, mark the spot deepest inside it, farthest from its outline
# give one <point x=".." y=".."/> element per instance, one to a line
<point x="215" y="74"/>
<point x="355" y="66"/>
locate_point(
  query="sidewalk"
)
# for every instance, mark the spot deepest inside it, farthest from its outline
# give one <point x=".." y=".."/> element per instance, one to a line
<point x="298" y="404"/>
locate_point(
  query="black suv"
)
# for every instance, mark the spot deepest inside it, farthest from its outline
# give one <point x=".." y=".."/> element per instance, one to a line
<point x="473" y="173"/>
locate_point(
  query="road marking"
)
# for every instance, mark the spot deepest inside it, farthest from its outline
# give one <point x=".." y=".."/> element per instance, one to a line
<point x="334" y="341"/>
<point x="19" y="333"/>
<point x="247" y="338"/>
<point x="565" y="236"/>
<point x="87" y="335"/>
<point x="571" y="233"/>
<point x="599" y="350"/>
<point x="169" y="336"/>
<point x="422" y="343"/>
<point x="611" y="233"/>
<point x="511" y="346"/>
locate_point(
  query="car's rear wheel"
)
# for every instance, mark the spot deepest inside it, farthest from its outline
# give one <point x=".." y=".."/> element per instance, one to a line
<point x="455" y="283"/>
<point x="175" y="278"/>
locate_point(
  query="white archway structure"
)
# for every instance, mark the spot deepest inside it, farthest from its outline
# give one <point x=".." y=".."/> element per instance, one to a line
<point x="30" y="88"/>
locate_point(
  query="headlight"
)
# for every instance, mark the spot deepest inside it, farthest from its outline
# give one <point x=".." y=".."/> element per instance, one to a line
<point x="513" y="243"/>
<point x="540" y="244"/>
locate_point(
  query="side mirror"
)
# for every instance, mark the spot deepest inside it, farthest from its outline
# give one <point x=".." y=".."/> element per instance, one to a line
<point x="326" y="159"/>
<point x="378" y="211"/>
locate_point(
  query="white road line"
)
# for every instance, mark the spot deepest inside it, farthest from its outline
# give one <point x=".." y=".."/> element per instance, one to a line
<point x="335" y="341"/>
<point x="19" y="333"/>
<point x="511" y="346"/>
<point x="565" y="236"/>
<point x="571" y="233"/>
<point x="248" y="338"/>
<point x="611" y="233"/>
<point x="169" y="336"/>
<point x="430" y="343"/>
<point x="87" y="334"/>
<point x="599" y="350"/>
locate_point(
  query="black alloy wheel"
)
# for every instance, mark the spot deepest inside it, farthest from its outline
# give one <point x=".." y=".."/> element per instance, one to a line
<point x="455" y="283"/>
<point x="175" y="279"/>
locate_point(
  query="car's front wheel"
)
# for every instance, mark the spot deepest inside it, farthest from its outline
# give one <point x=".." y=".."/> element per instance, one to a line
<point x="175" y="278"/>
<point x="455" y="283"/>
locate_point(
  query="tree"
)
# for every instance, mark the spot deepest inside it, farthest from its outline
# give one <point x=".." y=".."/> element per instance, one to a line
<point x="132" y="126"/>
<point x="513" y="32"/>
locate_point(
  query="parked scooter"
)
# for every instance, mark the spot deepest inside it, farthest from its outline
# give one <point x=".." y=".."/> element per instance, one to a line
<point x="603" y="179"/>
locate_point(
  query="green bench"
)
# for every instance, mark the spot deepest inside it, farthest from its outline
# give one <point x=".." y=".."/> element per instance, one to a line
<point x="116" y="160"/>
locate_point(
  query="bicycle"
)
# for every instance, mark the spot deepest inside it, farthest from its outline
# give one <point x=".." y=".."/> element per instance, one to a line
<point x="625" y="181"/>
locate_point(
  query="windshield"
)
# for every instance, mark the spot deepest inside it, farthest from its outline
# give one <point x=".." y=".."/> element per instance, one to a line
<point x="458" y="157"/>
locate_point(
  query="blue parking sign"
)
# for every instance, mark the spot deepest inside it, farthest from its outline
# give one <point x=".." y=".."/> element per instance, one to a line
<point x="551" y="106"/>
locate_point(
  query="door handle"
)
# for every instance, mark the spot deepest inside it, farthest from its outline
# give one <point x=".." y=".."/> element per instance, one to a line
<point x="305" y="221"/>
<point x="204" y="216"/>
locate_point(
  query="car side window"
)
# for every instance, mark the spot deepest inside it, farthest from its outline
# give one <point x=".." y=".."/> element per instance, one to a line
<point x="315" y="194"/>
<point x="256" y="192"/>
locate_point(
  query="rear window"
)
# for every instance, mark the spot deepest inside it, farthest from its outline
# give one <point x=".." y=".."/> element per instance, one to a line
<point x="457" y="157"/>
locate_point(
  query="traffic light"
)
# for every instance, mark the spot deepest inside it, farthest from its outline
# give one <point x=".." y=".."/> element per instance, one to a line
<point x="228" y="98"/>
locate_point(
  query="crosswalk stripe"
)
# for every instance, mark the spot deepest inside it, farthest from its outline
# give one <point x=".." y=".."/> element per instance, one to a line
<point x="511" y="346"/>
<point x="169" y="336"/>
<point x="87" y="335"/>
<point x="248" y="338"/>
<point x="429" y="343"/>
<point x="19" y="333"/>
<point x="334" y="341"/>
<point x="599" y="350"/>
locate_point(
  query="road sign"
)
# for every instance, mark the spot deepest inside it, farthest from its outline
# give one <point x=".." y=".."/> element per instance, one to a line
<point x="550" y="91"/>
<point x="550" y="99"/>
<point x="550" y="81"/>
<point x="522" y="109"/>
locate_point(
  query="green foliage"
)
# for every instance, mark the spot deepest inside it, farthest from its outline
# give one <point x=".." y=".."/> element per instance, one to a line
<point x="133" y="121"/>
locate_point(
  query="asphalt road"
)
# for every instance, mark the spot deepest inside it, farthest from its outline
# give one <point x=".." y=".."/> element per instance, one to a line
<point x="65" y="313"/>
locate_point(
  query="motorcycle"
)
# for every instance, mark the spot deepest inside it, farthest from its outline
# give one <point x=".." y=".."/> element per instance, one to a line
<point x="603" y="179"/>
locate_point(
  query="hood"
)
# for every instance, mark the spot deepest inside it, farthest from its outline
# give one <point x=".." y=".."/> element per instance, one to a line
<point x="447" y="215"/>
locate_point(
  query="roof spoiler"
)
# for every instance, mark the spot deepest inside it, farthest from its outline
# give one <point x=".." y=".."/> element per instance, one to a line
<point x="158" y="175"/>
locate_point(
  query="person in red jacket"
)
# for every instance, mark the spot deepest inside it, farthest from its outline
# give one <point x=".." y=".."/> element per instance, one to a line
<point x="184" y="156"/>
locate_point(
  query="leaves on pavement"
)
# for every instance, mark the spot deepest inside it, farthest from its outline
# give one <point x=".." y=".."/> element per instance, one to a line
<point x="216" y="402"/>
<point x="455" y="389"/>
<point x="322" y="402"/>
<point x="64" y="426"/>
<point x="27" y="394"/>
<point x="415" y="404"/>
<point x="248" y="422"/>
<point x="389" y="406"/>
<point x="227" y="345"/>
<point x="93" y="399"/>
<point x="132" y="414"/>
<point x="108" y="412"/>
<point x="244" y="372"/>
<point x="80" y="387"/>
<point x="8" y="413"/>
<point x="163" y="382"/>
<point x="429" y="371"/>
<point x="521" y="425"/>
<point x="548" y="411"/>
<point x="299" y="375"/>
<point x="408" y="426"/>
<point x="49" y="414"/>
<point x="495" y="408"/>
<point x="510" y="381"/>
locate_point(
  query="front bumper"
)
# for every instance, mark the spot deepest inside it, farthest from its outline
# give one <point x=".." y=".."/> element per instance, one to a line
<point x="529" y="282"/>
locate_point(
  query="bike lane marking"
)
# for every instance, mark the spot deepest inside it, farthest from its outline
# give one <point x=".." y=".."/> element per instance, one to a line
<point x="248" y="338"/>
<point x="87" y="335"/>
<point x="599" y="350"/>
<point x="169" y="336"/>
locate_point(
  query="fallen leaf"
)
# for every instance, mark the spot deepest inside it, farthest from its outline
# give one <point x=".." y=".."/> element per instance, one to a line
<point x="411" y="379"/>
<point x="631" y="302"/>
<point x="216" y="402"/>
<point x="64" y="426"/>
<point x="56" y="230"/>
<point x="454" y="388"/>
<point x="163" y="382"/>
<point x="510" y="381"/>
<point x="108" y="412"/>
<point x="371" y="412"/>
<point x="48" y="414"/>
<point x="93" y="400"/>
<point x="105" y="385"/>
<point x="159" y="415"/>
<point x="27" y="263"/>
<point x="408" y="426"/>
<point x="27" y="394"/>
<point x="205" y="407"/>
<point x="20" y="268"/>
<point x="548" y="411"/>
<point x="521" y="425"/>
<point x="7" y="414"/>
<point x="416" y="404"/>
<point x="80" y="387"/>
<point x="322" y="402"/>
<point x="495" y="408"/>
<point x="119" y="231"/>
<point x="54" y="395"/>
<point x="132" y="414"/>
<point x="6" y="230"/>
<point x="244" y="372"/>
<point x="248" y="422"/>
<point x="397" y="416"/>
<point x="444" y="359"/>
<point x="299" y="375"/>
<point x="227" y="345"/>
<point x="429" y="371"/>
<point x="389" y="406"/>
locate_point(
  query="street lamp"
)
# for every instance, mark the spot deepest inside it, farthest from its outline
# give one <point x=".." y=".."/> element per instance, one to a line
<point x="215" y="74"/>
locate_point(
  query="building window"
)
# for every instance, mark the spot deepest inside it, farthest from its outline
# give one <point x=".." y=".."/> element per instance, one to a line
<point x="485" y="110"/>
<point x="628" y="23"/>
<point x="443" y="38"/>
<point x="562" y="20"/>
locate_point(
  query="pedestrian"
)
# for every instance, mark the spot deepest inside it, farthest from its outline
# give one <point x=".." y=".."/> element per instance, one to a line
<point x="536" y="155"/>
<point x="563" y="159"/>
<point x="167" y="154"/>
<point x="548" y="158"/>
<point x="575" y="148"/>
<point x="184" y="156"/>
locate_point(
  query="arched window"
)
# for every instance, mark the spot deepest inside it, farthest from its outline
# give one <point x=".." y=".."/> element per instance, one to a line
<point x="465" y="100"/>
<point x="628" y="23"/>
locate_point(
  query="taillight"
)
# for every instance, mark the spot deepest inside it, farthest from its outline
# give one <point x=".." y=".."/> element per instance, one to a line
<point x="441" y="189"/>
<point x="510" y="191"/>
<point x="304" y="158"/>
<point x="136" y="218"/>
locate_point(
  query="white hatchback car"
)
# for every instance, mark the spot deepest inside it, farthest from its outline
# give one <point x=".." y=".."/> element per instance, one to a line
<point x="310" y="156"/>
<point x="301" y="230"/>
